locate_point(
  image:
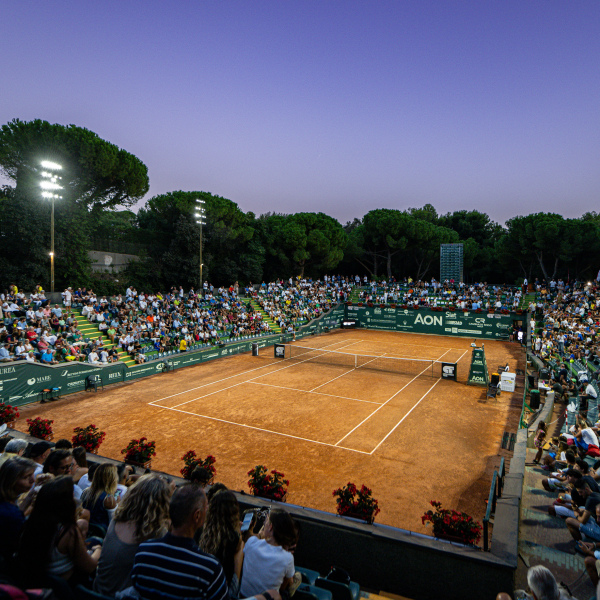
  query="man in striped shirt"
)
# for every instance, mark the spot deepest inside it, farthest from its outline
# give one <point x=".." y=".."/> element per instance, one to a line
<point x="173" y="567"/>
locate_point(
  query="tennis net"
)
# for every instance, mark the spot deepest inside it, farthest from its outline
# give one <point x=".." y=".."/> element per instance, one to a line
<point x="406" y="366"/>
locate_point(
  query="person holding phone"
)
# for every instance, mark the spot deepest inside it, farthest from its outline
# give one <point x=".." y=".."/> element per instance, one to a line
<point x="268" y="558"/>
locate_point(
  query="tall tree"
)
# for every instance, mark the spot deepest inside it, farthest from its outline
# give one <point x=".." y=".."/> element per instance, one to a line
<point x="95" y="173"/>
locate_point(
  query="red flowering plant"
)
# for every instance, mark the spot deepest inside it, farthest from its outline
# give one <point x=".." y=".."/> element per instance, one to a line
<point x="267" y="485"/>
<point x="89" y="437"/>
<point x="40" y="428"/>
<point x="452" y="523"/>
<point x="140" y="451"/>
<point x="191" y="462"/>
<point x="8" y="413"/>
<point x="355" y="502"/>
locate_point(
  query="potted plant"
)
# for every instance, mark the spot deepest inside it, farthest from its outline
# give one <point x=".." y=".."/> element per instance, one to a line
<point x="268" y="485"/>
<point x="191" y="462"/>
<point x="357" y="503"/>
<point x="452" y="524"/>
<point x="139" y="452"/>
<point x="8" y="414"/>
<point x="40" y="428"/>
<point x="89" y="437"/>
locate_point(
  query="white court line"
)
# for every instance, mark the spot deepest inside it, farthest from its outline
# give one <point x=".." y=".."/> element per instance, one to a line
<point x="311" y="392"/>
<point x="413" y="408"/>
<point x="404" y="417"/>
<point x="295" y="437"/>
<point x="389" y="399"/>
<point x="227" y="378"/>
<point x="240" y="383"/>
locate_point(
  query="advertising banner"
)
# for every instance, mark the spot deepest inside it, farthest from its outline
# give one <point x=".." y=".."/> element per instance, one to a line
<point x="453" y="323"/>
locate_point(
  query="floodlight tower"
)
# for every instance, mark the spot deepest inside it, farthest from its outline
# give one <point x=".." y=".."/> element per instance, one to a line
<point x="49" y="185"/>
<point x="200" y="215"/>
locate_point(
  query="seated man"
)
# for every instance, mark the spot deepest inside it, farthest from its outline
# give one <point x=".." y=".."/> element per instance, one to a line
<point x="5" y="355"/>
<point x="585" y="440"/>
<point x="174" y="566"/>
<point x="584" y="523"/>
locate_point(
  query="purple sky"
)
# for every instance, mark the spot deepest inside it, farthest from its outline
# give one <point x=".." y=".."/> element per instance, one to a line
<point x="332" y="106"/>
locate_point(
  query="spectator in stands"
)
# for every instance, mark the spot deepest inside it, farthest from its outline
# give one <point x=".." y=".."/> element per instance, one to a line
<point x="80" y="467"/>
<point x="543" y="586"/>
<point x="557" y="480"/>
<point x="221" y="537"/>
<point x="14" y="447"/>
<point x="5" y="355"/>
<point x="38" y="453"/>
<point x="16" y="478"/>
<point x="99" y="498"/>
<point x="52" y="543"/>
<point x="268" y="561"/>
<point x="142" y="515"/>
<point x="586" y="441"/>
<point x="59" y="462"/>
<point x="585" y="523"/>
<point x="539" y="440"/>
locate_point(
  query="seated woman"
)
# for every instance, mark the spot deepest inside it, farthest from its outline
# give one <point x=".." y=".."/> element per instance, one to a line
<point x="142" y="515"/>
<point x="52" y="543"/>
<point x="268" y="562"/>
<point x="16" y="478"/>
<point x="99" y="498"/>
<point x="221" y="537"/>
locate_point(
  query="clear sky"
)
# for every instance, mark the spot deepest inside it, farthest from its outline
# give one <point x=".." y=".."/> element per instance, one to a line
<point x="334" y="106"/>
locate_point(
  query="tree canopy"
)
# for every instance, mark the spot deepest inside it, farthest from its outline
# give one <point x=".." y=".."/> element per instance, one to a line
<point x="95" y="173"/>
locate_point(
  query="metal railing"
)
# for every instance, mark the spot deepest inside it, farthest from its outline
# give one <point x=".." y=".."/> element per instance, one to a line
<point x="496" y="489"/>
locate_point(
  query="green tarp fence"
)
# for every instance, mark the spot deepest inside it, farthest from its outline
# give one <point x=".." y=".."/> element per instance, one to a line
<point x="453" y="323"/>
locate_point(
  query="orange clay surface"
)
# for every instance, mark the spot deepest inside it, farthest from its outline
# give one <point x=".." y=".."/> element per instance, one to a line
<point x="409" y="438"/>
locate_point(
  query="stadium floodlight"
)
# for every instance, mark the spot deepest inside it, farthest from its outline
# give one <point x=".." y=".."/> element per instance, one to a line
<point x="50" y="182"/>
<point x="52" y="166"/>
<point x="200" y="216"/>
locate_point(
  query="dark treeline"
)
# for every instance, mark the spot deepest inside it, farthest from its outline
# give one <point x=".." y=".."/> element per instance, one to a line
<point x="93" y="215"/>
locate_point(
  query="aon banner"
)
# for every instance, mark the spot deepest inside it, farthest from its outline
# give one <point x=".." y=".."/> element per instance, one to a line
<point x="455" y="323"/>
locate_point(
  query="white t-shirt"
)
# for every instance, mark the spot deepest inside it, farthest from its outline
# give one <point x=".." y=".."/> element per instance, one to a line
<point x="590" y="391"/>
<point x="265" y="567"/>
<point x="589" y="437"/>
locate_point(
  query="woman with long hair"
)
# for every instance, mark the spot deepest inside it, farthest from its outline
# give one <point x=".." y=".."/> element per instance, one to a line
<point x="143" y="514"/>
<point x="268" y="558"/>
<point x="16" y="478"/>
<point x="221" y="537"/>
<point x="52" y="543"/>
<point x="99" y="498"/>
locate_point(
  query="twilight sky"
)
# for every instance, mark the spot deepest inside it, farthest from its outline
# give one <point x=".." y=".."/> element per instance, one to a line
<point x="332" y="106"/>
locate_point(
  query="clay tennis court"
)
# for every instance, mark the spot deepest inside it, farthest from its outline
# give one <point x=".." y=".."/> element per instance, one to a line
<point x="410" y="437"/>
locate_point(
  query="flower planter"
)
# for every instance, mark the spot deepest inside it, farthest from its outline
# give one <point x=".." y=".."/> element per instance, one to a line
<point x="142" y="465"/>
<point x="450" y="538"/>
<point x="360" y="517"/>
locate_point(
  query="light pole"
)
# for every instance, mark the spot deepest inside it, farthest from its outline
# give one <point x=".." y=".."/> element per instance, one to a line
<point x="49" y="185"/>
<point x="200" y="216"/>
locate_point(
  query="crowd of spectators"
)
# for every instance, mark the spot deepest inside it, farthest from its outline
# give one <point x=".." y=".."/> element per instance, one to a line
<point x="292" y="303"/>
<point x="568" y="318"/>
<point x="434" y="294"/>
<point x="64" y="523"/>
